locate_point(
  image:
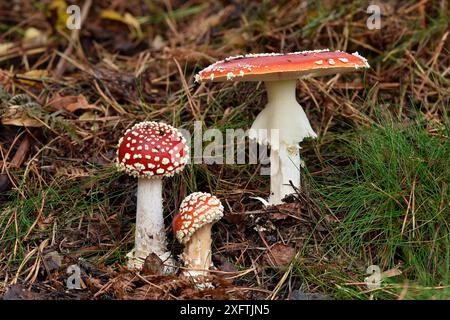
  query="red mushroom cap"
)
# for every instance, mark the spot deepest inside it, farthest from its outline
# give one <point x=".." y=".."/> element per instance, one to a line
<point x="152" y="149"/>
<point x="277" y="66"/>
<point x="196" y="210"/>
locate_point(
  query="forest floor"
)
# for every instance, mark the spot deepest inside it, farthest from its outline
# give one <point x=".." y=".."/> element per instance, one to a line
<point x="374" y="183"/>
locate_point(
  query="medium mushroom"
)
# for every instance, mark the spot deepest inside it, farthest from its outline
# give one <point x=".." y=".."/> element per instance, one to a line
<point x="151" y="151"/>
<point x="282" y="112"/>
<point x="192" y="227"/>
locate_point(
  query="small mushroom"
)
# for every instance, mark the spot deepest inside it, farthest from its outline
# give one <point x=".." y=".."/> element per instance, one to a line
<point x="192" y="227"/>
<point x="151" y="151"/>
<point x="282" y="112"/>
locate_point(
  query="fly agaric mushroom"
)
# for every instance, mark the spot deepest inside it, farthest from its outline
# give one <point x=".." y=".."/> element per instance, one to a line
<point x="282" y="112"/>
<point x="192" y="227"/>
<point x="151" y="151"/>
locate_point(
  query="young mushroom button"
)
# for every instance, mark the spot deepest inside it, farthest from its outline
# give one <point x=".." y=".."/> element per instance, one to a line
<point x="151" y="151"/>
<point x="282" y="123"/>
<point x="192" y="227"/>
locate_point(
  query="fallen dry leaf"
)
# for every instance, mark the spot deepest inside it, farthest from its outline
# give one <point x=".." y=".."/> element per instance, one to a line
<point x="71" y="172"/>
<point x="18" y="116"/>
<point x="60" y="9"/>
<point x="127" y="19"/>
<point x="71" y="103"/>
<point x="53" y="261"/>
<point x="198" y="28"/>
<point x="279" y="255"/>
<point x="88" y="116"/>
<point x="152" y="265"/>
<point x="19" y="292"/>
<point x="37" y="74"/>
<point x="223" y="264"/>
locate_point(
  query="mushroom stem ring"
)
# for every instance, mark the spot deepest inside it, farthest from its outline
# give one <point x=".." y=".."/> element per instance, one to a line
<point x="286" y="125"/>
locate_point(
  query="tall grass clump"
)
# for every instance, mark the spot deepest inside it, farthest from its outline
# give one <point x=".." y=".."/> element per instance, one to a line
<point x="392" y="199"/>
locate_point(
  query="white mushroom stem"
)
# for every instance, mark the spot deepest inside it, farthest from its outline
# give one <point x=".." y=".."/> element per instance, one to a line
<point x="150" y="235"/>
<point x="284" y="114"/>
<point x="284" y="168"/>
<point x="197" y="252"/>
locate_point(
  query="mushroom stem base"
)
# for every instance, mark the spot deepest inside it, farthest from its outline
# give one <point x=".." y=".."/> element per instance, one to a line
<point x="197" y="253"/>
<point x="150" y="235"/>
<point x="284" y="170"/>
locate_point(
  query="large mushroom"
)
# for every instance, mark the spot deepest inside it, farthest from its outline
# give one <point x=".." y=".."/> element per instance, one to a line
<point x="151" y="151"/>
<point x="282" y="112"/>
<point x="192" y="227"/>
